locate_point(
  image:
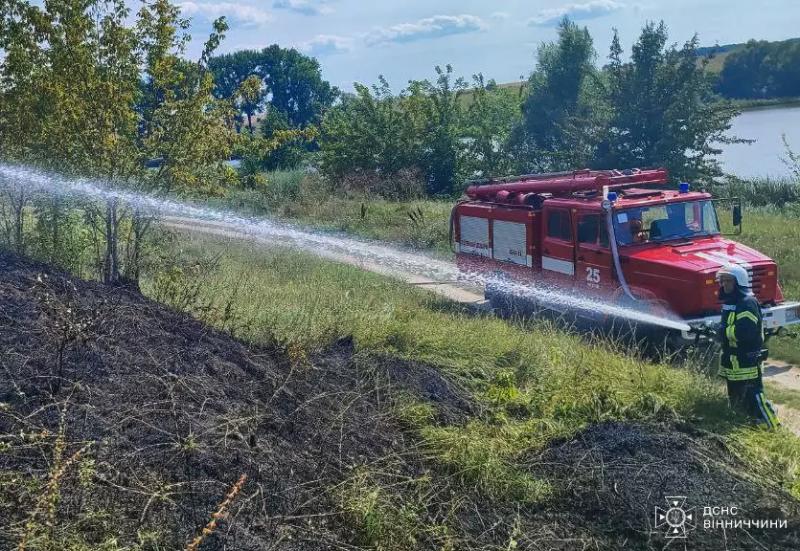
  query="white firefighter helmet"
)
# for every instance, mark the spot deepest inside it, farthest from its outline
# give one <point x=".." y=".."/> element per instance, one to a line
<point x="738" y="273"/>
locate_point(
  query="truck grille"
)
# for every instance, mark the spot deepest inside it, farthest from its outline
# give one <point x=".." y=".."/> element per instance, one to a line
<point x="760" y="281"/>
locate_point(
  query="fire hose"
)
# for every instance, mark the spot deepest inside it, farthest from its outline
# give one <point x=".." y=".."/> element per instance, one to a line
<point x="615" y="252"/>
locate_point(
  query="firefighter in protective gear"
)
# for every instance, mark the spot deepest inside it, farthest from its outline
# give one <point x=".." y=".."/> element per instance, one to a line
<point x="742" y="335"/>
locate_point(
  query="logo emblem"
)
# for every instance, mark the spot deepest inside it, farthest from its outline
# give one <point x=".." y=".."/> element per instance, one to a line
<point x="676" y="519"/>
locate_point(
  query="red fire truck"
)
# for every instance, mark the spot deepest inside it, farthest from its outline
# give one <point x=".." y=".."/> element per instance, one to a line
<point x="618" y="235"/>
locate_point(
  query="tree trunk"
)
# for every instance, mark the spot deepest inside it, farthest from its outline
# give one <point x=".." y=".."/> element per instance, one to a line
<point x="19" y="216"/>
<point x="111" y="267"/>
<point x="140" y="225"/>
<point x="56" y="221"/>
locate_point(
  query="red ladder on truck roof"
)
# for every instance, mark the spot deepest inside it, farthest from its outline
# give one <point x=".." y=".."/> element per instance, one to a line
<point x="560" y="183"/>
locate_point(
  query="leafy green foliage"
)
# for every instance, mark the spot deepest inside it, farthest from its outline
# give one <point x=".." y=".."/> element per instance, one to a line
<point x="370" y="132"/>
<point x="490" y="115"/>
<point x="437" y="128"/>
<point x="88" y="93"/>
<point x="664" y="112"/>
<point x="559" y="116"/>
<point x="69" y="83"/>
<point x="438" y="111"/>
<point x="251" y="97"/>
<point x="292" y="80"/>
<point x="183" y="125"/>
<point x="257" y="151"/>
<point x="289" y="155"/>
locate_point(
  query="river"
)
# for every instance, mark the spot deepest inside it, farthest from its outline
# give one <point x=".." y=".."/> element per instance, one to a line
<point x="763" y="157"/>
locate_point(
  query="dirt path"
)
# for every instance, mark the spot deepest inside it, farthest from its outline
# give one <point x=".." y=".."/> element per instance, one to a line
<point x="782" y="373"/>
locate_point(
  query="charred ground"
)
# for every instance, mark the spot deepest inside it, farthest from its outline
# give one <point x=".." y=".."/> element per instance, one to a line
<point x="167" y="413"/>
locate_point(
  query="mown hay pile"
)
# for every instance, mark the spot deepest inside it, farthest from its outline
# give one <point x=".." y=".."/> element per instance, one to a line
<point x="123" y="420"/>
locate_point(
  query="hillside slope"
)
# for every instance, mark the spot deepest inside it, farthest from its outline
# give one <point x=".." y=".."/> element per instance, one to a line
<point x="168" y="413"/>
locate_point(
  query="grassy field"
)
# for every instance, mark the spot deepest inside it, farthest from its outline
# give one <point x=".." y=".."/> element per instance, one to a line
<point x="535" y="383"/>
<point x="397" y="419"/>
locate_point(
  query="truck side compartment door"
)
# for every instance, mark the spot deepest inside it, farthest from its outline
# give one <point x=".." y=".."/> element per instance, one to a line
<point x="558" y="247"/>
<point x="593" y="260"/>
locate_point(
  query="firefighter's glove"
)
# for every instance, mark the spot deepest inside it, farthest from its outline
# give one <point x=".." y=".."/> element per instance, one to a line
<point x="757" y="356"/>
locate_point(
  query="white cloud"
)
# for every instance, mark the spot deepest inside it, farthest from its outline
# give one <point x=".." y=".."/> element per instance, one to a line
<point x="323" y="44"/>
<point x="578" y="11"/>
<point x="306" y="7"/>
<point x="236" y="11"/>
<point x="431" y="27"/>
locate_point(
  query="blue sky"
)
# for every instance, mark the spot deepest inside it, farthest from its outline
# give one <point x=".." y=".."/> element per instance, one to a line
<point x="356" y="40"/>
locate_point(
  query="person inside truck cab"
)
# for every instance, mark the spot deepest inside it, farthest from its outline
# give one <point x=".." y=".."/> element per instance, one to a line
<point x="637" y="230"/>
<point x="630" y="228"/>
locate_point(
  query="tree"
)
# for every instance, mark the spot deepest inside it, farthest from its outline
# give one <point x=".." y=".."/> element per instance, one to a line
<point x="292" y="82"/>
<point x="231" y="70"/>
<point x="560" y="117"/>
<point x="370" y="131"/>
<point x="72" y="93"/>
<point x="664" y="112"/>
<point x="289" y="154"/>
<point x="251" y="97"/>
<point x="296" y="86"/>
<point x="83" y="90"/>
<point x="417" y="131"/>
<point x="186" y="127"/>
<point x="490" y="115"/>
<point x="436" y="109"/>
<point x="762" y="69"/>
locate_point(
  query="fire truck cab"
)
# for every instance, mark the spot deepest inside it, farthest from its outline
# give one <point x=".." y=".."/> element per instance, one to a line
<point x="617" y="235"/>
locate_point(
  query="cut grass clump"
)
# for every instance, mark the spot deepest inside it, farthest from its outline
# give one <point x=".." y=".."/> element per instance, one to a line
<point x="483" y="455"/>
<point x="413" y="413"/>
<point x="380" y="519"/>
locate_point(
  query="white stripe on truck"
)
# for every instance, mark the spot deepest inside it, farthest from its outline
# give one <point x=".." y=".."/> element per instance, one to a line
<point x="557" y="265"/>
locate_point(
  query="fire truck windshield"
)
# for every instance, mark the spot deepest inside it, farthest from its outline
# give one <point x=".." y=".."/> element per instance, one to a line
<point x="654" y="223"/>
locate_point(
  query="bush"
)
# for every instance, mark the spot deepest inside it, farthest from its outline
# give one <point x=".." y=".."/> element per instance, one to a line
<point x="406" y="184"/>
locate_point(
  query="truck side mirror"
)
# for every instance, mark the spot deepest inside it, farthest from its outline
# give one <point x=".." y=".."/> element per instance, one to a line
<point x="737" y="215"/>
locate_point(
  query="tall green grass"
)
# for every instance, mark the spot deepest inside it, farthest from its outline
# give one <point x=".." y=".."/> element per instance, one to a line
<point x="761" y="192"/>
<point x="307" y="198"/>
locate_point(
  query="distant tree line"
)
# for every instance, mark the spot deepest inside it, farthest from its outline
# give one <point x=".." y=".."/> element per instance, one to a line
<point x="656" y="109"/>
<point x="762" y="70"/>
